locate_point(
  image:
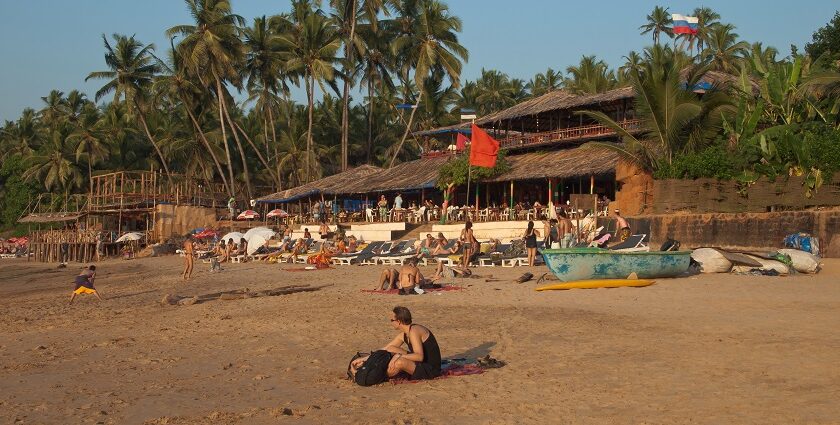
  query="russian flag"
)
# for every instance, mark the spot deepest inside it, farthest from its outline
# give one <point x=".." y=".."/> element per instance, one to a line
<point x="684" y="24"/>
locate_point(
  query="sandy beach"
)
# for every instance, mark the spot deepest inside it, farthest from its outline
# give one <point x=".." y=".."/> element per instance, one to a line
<point x="703" y="349"/>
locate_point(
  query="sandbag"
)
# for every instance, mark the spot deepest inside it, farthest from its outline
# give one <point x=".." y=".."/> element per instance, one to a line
<point x="803" y="262"/>
<point x="780" y="267"/>
<point x="711" y="261"/>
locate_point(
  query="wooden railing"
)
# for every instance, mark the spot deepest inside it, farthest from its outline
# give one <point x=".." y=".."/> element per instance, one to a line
<point x="564" y="134"/>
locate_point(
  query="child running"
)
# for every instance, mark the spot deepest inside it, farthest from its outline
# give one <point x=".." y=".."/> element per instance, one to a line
<point x="84" y="283"/>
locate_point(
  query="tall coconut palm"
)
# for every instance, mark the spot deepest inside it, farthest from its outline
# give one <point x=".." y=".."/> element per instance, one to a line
<point x="376" y="65"/>
<point x="707" y="20"/>
<point x="23" y="136"/>
<point x="176" y="84"/>
<point x="313" y="47"/>
<point x="674" y="119"/>
<point x="132" y="67"/>
<point x="724" y="51"/>
<point x="495" y="92"/>
<point x="427" y="42"/>
<point x="54" y="164"/>
<point x="55" y="108"/>
<point x="658" y="22"/>
<point x="545" y="82"/>
<point x="213" y="51"/>
<point x="590" y="76"/>
<point x="89" y="139"/>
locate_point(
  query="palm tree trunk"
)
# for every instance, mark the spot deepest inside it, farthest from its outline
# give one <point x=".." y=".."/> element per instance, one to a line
<point x="310" y="88"/>
<point x="345" y="122"/>
<point x="259" y="154"/>
<point x="407" y="129"/>
<point x="224" y="135"/>
<point x="152" y="139"/>
<point x="209" y="149"/>
<point x="370" y="123"/>
<point x="241" y="152"/>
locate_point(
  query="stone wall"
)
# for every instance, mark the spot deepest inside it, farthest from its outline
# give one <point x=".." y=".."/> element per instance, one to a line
<point x="635" y="189"/>
<point x="748" y="231"/>
<point x="172" y="220"/>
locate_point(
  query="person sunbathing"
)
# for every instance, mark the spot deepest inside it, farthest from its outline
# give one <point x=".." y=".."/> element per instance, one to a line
<point x="439" y="250"/>
<point x="421" y="357"/>
<point x="298" y="249"/>
<point x="446" y="272"/>
<point x="425" y="248"/>
<point x="388" y="279"/>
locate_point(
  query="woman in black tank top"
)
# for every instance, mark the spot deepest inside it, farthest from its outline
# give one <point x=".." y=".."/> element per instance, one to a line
<point x="421" y="359"/>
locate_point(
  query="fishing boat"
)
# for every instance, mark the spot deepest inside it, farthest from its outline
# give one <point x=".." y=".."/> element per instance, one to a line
<point x="570" y="264"/>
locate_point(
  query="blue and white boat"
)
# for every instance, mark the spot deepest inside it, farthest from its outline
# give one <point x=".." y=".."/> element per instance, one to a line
<point x="570" y="264"/>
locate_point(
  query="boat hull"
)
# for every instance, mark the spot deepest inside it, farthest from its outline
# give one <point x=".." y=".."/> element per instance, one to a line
<point x="593" y="263"/>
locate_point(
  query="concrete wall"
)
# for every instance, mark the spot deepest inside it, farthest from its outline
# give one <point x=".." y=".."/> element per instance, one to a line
<point x="747" y="231"/>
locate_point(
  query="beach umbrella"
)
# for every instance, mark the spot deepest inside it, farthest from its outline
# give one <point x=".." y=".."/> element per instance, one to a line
<point x="257" y="237"/>
<point x="235" y="235"/>
<point x="258" y="231"/>
<point x="248" y="215"/>
<point x="277" y="213"/>
<point x="130" y="236"/>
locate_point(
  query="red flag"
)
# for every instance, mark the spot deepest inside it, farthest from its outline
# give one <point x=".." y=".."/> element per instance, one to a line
<point x="461" y="142"/>
<point x="484" y="148"/>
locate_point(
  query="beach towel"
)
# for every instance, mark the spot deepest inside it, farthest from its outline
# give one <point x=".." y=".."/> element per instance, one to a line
<point x="397" y="291"/>
<point x="307" y="269"/>
<point x="446" y="371"/>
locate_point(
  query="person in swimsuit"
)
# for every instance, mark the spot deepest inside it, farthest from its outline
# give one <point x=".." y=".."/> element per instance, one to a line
<point x="324" y="230"/>
<point x="425" y="249"/>
<point x="189" y="253"/>
<point x="623" y="229"/>
<point x="565" y="230"/>
<point x="421" y="357"/>
<point x="470" y="244"/>
<point x="84" y="284"/>
<point x="530" y="237"/>
<point x="306" y="234"/>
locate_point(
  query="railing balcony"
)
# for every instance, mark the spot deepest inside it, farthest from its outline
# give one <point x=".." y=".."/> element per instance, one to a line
<point x="567" y="134"/>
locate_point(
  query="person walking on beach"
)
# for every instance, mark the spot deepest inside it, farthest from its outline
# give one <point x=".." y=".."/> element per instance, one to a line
<point x="622" y="231"/>
<point x="530" y="237"/>
<point x="84" y="283"/>
<point x="421" y="357"/>
<point x="189" y="254"/>
<point x="470" y="243"/>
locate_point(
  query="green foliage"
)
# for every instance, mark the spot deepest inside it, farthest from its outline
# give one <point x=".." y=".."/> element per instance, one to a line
<point x="826" y="40"/>
<point x="712" y="162"/>
<point x="456" y="171"/>
<point x="15" y="192"/>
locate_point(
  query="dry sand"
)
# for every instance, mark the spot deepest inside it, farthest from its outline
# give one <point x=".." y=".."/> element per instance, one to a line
<point x="705" y="349"/>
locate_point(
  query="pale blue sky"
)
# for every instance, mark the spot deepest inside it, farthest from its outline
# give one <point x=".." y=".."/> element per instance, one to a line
<point x="54" y="44"/>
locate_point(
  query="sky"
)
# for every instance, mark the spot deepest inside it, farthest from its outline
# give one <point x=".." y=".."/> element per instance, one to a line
<point x="54" y="44"/>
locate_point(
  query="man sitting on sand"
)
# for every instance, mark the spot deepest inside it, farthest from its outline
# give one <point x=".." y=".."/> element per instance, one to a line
<point x="84" y="283"/>
<point x="421" y="357"/>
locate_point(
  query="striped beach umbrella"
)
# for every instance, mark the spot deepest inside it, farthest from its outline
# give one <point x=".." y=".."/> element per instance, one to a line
<point x="277" y="213"/>
<point x="248" y="215"/>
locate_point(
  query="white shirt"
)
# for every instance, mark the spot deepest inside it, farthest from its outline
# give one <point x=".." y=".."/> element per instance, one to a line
<point x="398" y="202"/>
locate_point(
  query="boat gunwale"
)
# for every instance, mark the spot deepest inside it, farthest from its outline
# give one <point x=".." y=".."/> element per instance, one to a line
<point x="566" y="251"/>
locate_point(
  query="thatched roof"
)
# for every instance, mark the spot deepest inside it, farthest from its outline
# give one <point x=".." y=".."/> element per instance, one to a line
<point x="50" y="217"/>
<point x="463" y="127"/>
<point x="564" y="163"/>
<point x="330" y="185"/>
<point x="412" y="175"/>
<point x="557" y="100"/>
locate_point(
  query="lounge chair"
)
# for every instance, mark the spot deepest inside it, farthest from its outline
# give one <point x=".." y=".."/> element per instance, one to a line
<point x="397" y="259"/>
<point x="312" y="251"/>
<point x="395" y="249"/>
<point x="490" y="259"/>
<point x="449" y="244"/>
<point x="634" y="243"/>
<point x="369" y="258"/>
<point x="347" y="259"/>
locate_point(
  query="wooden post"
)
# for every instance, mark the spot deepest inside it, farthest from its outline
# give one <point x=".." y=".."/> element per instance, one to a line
<point x="592" y="184"/>
<point x="511" y="195"/>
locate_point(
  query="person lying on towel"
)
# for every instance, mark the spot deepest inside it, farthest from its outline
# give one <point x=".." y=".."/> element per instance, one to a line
<point x="421" y="357"/>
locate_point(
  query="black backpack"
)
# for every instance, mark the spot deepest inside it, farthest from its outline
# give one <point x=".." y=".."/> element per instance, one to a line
<point x="374" y="370"/>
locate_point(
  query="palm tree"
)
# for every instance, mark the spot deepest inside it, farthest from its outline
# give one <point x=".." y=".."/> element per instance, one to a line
<point x="546" y="82"/>
<point x="658" y="22"/>
<point x="22" y="136"/>
<point x="590" y="76"/>
<point x="176" y="84"/>
<point x="707" y="20"/>
<point x="674" y="119"/>
<point x="132" y="67"/>
<point x="55" y="108"/>
<point x="313" y="46"/>
<point x="427" y="42"/>
<point x="724" y="51"/>
<point x="55" y="163"/>
<point x="376" y="64"/>
<point x="495" y="92"/>
<point x="213" y="51"/>
<point x="89" y="139"/>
